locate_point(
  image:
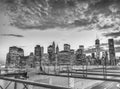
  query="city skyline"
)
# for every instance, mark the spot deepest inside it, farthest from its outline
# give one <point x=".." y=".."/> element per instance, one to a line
<point x="79" y="28"/>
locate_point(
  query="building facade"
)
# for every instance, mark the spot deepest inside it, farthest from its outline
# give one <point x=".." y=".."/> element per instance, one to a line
<point x="97" y="45"/>
<point x="80" y="55"/>
<point x="31" y="60"/>
<point x="14" y="56"/>
<point x="64" y="57"/>
<point x="66" y="47"/>
<point x="51" y="52"/>
<point x="111" y="52"/>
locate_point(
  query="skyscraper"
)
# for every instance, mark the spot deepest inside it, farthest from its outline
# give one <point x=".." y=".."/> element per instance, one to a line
<point x="42" y="51"/>
<point x="81" y="47"/>
<point x="111" y="52"/>
<point x="53" y="45"/>
<point x="80" y="54"/>
<point x="37" y="52"/>
<point x="97" y="45"/>
<point x="66" y="47"/>
<point x="57" y="49"/>
<point x="51" y="52"/>
<point x="93" y="55"/>
<point x="14" y="56"/>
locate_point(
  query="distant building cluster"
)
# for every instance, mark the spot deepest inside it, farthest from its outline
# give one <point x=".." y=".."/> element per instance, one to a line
<point x="15" y="56"/>
<point x="111" y="60"/>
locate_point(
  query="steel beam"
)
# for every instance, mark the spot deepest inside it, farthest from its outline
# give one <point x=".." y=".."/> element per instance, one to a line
<point x="96" y="71"/>
<point x="33" y="83"/>
<point x="99" y="74"/>
<point x="77" y="76"/>
<point x="13" y="74"/>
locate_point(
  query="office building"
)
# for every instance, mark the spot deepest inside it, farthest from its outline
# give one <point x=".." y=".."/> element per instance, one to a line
<point x="66" y="47"/>
<point x="97" y="45"/>
<point x="111" y="52"/>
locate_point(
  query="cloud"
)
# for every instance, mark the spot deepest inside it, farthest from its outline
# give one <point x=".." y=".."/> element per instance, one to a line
<point x="13" y="35"/>
<point x="45" y="14"/>
<point x="112" y="34"/>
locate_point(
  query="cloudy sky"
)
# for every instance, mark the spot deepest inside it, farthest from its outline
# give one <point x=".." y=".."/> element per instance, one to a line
<point x="26" y="23"/>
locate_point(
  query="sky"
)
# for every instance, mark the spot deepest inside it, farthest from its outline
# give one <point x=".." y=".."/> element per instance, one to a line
<point x="26" y="23"/>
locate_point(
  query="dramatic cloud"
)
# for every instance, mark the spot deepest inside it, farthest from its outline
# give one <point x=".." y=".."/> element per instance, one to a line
<point x="112" y="34"/>
<point x="13" y="35"/>
<point x="45" y="14"/>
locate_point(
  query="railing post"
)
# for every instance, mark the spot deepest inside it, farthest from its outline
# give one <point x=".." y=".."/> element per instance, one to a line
<point x="15" y="85"/>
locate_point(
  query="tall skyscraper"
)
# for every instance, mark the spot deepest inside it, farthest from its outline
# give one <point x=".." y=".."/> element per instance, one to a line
<point x="81" y="47"/>
<point x="37" y="52"/>
<point x="57" y="49"/>
<point x="93" y="55"/>
<point x="97" y="45"/>
<point x="80" y="54"/>
<point x="53" y="45"/>
<point x="51" y="53"/>
<point x="66" y="47"/>
<point x="111" y="52"/>
<point x="14" y="56"/>
<point x="42" y="51"/>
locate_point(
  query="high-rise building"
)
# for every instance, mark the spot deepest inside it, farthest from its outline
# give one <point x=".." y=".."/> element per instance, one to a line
<point x="72" y="51"/>
<point x="42" y="51"/>
<point x="93" y="55"/>
<point x="51" y="52"/>
<point x="111" y="52"/>
<point x="97" y="45"/>
<point x="64" y="57"/>
<point x="53" y="45"/>
<point x="14" y="56"/>
<point x="37" y="51"/>
<point x="80" y="54"/>
<point x="31" y="60"/>
<point x="66" y="47"/>
<point x="57" y="49"/>
<point x="81" y="47"/>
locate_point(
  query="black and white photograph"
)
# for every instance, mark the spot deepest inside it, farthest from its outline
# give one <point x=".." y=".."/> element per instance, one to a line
<point x="59" y="44"/>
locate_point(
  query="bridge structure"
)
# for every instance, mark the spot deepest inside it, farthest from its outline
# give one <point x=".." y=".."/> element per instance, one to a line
<point x="21" y="77"/>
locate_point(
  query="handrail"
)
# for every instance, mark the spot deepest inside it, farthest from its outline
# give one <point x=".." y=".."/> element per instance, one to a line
<point x="88" y="73"/>
<point x="81" y="77"/>
<point x="33" y="83"/>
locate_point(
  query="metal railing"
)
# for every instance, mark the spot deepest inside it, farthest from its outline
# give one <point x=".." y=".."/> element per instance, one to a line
<point x="27" y="82"/>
